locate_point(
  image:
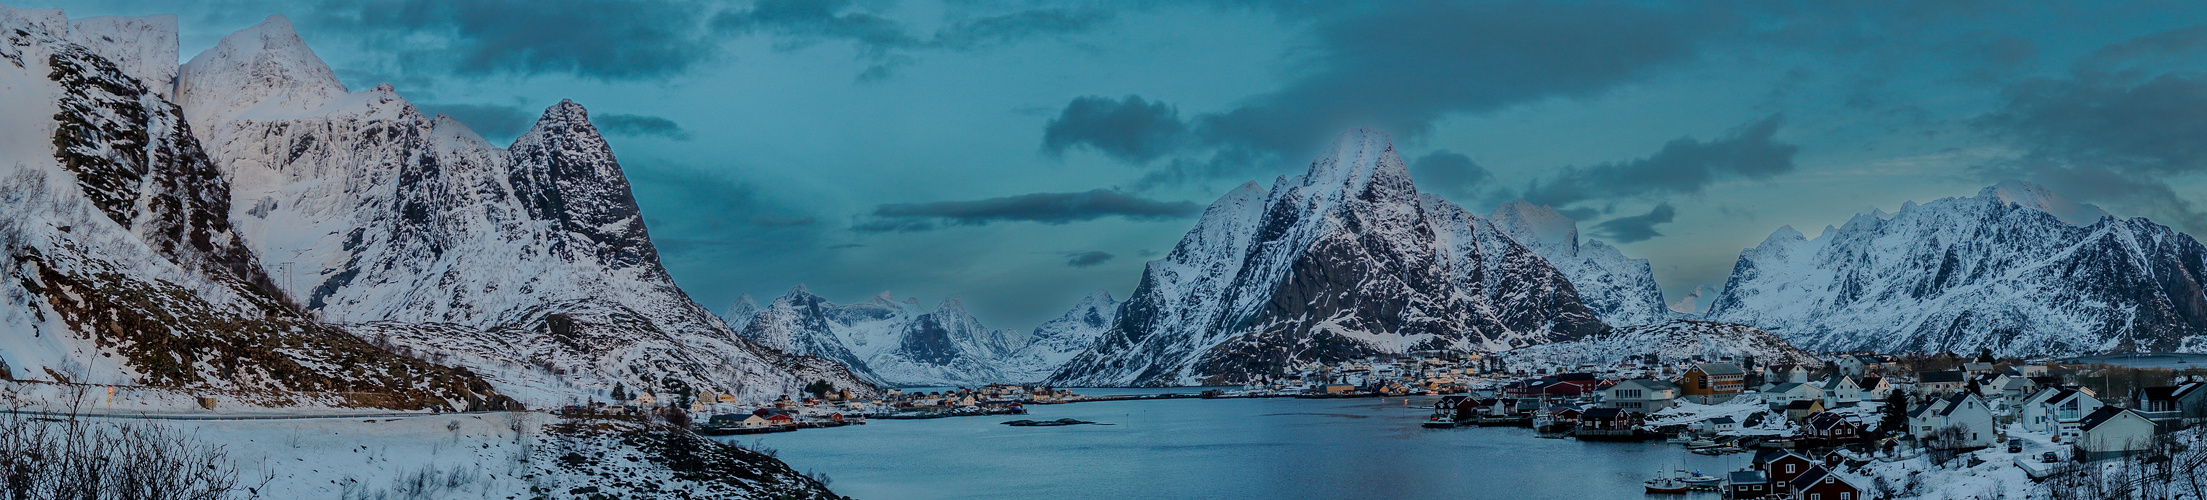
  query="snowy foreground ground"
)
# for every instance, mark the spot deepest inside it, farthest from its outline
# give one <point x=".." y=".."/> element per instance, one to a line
<point x="468" y="455"/>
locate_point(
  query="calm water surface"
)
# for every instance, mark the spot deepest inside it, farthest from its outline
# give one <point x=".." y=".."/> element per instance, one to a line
<point x="1224" y="448"/>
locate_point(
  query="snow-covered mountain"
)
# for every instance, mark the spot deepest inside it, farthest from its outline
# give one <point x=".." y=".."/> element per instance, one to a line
<point x="739" y="313"/>
<point x="121" y="264"/>
<point x="1345" y="261"/>
<point x="1671" y="341"/>
<point x="2016" y="269"/>
<point x="1696" y="302"/>
<point x="529" y="263"/>
<point x="901" y="344"/>
<point x="1620" y="290"/>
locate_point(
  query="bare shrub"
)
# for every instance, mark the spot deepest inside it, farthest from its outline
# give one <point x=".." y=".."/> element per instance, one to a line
<point x="65" y="457"/>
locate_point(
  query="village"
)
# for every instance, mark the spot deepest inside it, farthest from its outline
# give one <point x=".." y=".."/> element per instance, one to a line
<point x="1859" y="425"/>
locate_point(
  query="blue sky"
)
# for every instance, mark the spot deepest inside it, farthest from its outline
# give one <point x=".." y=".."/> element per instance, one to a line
<point x="1019" y="154"/>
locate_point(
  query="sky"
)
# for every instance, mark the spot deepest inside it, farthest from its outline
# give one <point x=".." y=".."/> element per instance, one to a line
<point x="1019" y="154"/>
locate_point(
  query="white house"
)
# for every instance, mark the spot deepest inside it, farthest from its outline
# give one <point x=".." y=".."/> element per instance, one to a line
<point x="1640" y="395"/>
<point x="1841" y="389"/>
<point x="1860" y="365"/>
<point x="1789" y="392"/>
<point x="1963" y="410"/>
<point x="1941" y="383"/>
<point x="2057" y="411"/>
<point x="2113" y="432"/>
<point x="1783" y="373"/>
<point x="1875" y="387"/>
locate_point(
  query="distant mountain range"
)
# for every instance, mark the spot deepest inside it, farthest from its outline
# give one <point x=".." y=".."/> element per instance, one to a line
<point x="901" y="344"/>
<point x="2015" y="269"/>
<point x="249" y="187"/>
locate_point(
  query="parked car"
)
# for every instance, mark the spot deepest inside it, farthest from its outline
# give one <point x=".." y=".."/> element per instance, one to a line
<point x="2050" y="457"/>
<point x="2015" y="446"/>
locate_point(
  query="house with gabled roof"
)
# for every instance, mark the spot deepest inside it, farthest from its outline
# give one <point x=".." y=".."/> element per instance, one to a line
<point x="1941" y="383"/>
<point x="1841" y="390"/>
<point x="2113" y="432"/>
<point x="1781" y="465"/>
<point x="2173" y="403"/>
<point x="1961" y="409"/>
<point x="1745" y="484"/>
<point x="1712" y="383"/>
<point x="1820" y="483"/>
<point x="2057" y="411"/>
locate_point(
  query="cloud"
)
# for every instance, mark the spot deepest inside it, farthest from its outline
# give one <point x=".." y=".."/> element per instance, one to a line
<point x="1449" y="173"/>
<point x="886" y="42"/>
<point x="491" y="121"/>
<point x="2117" y="128"/>
<point x="1637" y="227"/>
<point x="641" y="126"/>
<point x="1129" y="129"/>
<point x="606" y="40"/>
<point x="841" y="246"/>
<point x="1684" y="166"/>
<point x="1047" y="208"/>
<point x="1405" y="65"/>
<point x="1088" y="258"/>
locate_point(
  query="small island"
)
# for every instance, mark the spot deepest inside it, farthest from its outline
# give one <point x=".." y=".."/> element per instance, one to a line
<point x="1047" y="423"/>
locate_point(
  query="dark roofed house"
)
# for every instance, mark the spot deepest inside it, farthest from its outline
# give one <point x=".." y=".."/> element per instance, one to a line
<point x="1782" y="465"/>
<point x="1799" y="410"/>
<point x="2113" y="432"/>
<point x="1946" y="382"/>
<point x="1819" y="483"/>
<point x="1747" y="484"/>
<point x="2186" y="400"/>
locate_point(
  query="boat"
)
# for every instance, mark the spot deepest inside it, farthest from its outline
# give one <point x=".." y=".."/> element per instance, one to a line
<point x="1701" y="443"/>
<point x="1665" y="485"/>
<point x="1697" y="479"/>
<point x="1440" y="423"/>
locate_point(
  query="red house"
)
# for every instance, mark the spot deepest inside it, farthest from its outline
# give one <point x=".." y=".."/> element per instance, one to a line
<point x="780" y="419"/>
<point x="1606" y="419"/>
<point x="1820" y="484"/>
<point x="1783" y="466"/>
<point x="1830" y="426"/>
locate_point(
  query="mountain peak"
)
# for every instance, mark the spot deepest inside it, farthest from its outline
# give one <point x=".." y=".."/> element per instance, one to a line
<point x="264" y="69"/>
<point x="1537" y="226"/>
<point x="1356" y="159"/>
<point x="142" y="47"/>
<point x="2029" y="195"/>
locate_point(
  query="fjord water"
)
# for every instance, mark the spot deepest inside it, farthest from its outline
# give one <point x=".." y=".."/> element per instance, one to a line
<point x="1223" y="448"/>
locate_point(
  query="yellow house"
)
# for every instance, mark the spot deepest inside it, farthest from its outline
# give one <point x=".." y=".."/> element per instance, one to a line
<point x="646" y="399"/>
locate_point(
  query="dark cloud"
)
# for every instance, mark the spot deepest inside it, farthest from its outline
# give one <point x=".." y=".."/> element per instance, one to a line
<point x="1130" y="129"/>
<point x="1402" y="66"/>
<point x="1684" y="166"/>
<point x="801" y="23"/>
<point x="641" y="126"/>
<point x="1449" y="173"/>
<point x="493" y="122"/>
<point x="1047" y="208"/>
<point x="2123" y="122"/>
<point x="1637" y="227"/>
<point x="602" y="39"/>
<point x="1088" y="258"/>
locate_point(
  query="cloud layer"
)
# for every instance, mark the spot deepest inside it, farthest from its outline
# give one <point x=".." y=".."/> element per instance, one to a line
<point x="1047" y="208"/>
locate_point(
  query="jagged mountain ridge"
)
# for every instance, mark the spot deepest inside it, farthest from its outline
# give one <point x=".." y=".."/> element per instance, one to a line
<point x="529" y="263"/>
<point x="1621" y="290"/>
<point x="1671" y="341"/>
<point x="2015" y="269"/>
<point x="1345" y="261"/>
<point x="121" y="266"/>
<point x="900" y="344"/>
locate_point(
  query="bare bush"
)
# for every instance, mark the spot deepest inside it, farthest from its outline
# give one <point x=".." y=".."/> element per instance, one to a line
<point x="66" y="457"/>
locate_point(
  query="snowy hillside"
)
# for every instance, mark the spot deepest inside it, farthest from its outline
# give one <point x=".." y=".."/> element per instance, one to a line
<point x="530" y="263"/>
<point x="121" y="265"/>
<point x="1672" y="341"/>
<point x="1345" y="261"/>
<point x="1620" y="290"/>
<point x="900" y="344"/>
<point x="2016" y="269"/>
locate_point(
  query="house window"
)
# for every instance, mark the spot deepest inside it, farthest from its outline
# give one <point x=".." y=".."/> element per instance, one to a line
<point x="1846" y="496"/>
<point x="1789" y="468"/>
<point x="1816" y="496"/>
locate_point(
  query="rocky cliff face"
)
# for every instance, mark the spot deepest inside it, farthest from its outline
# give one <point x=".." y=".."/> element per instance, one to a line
<point x="121" y="266"/>
<point x="529" y="263"/>
<point x="1345" y="261"/>
<point x="2015" y="269"/>
<point x="1620" y="290"/>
